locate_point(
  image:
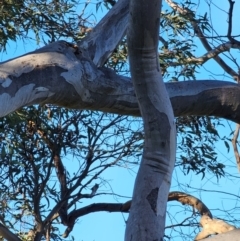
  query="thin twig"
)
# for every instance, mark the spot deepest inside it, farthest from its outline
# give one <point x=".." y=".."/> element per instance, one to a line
<point x="230" y="13"/>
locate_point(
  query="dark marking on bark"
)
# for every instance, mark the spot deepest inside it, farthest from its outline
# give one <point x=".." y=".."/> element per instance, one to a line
<point x="163" y="144"/>
<point x="152" y="199"/>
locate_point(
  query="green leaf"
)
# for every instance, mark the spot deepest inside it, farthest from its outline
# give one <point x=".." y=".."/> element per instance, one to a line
<point x="227" y="145"/>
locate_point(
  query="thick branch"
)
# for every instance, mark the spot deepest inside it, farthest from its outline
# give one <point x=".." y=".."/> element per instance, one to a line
<point x="58" y="74"/>
<point x="187" y="199"/>
<point x="231" y="235"/>
<point x="146" y="220"/>
<point x="212" y="226"/>
<point x="102" y="41"/>
<point x="7" y="234"/>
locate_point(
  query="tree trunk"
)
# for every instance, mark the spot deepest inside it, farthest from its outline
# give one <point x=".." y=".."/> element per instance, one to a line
<point x="147" y="214"/>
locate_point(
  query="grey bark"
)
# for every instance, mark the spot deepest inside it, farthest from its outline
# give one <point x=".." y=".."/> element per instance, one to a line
<point x="72" y="76"/>
<point x="59" y="75"/>
<point x="102" y="41"/>
<point x="148" y="209"/>
<point x="69" y="77"/>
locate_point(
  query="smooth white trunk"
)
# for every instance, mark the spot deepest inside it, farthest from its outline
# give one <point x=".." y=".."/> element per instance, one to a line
<point x="148" y="210"/>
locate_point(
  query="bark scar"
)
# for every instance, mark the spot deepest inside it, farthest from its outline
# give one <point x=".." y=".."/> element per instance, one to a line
<point x="152" y="199"/>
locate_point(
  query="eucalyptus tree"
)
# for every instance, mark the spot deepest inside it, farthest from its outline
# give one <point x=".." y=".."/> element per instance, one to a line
<point x="83" y="74"/>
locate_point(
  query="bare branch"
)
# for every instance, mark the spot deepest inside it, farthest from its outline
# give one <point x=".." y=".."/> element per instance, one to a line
<point x="96" y="207"/>
<point x="181" y="197"/>
<point x="61" y="174"/>
<point x="209" y="55"/>
<point x="229" y="34"/>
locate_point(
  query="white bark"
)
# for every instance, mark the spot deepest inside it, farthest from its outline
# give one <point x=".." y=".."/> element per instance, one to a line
<point x="57" y="74"/>
<point x="62" y="75"/>
<point x="148" y="209"/>
<point x="102" y="41"/>
<point x="229" y="236"/>
<point x="70" y="76"/>
<point x="72" y="80"/>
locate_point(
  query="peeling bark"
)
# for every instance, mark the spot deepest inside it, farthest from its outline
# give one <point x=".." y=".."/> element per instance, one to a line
<point x="57" y="74"/>
<point x="232" y="235"/>
<point x="212" y="226"/>
<point x="72" y="76"/>
<point x="187" y="199"/>
<point x="102" y="41"/>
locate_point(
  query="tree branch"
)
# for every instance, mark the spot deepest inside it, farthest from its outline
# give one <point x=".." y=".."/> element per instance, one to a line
<point x="99" y="44"/>
<point x="231" y="235"/>
<point x="229" y="34"/>
<point x="181" y="197"/>
<point x="234" y="143"/>
<point x="212" y="226"/>
<point x="7" y="234"/>
<point x="187" y="199"/>
<point x="58" y="74"/>
<point x="61" y="174"/>
<point x="199" y="33"/>
<point x="95" y="207"/>
<point x="209" y="55"/>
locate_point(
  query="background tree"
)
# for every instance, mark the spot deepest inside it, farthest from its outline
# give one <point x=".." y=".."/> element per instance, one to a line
<point x="38" y="192"/>
<point x="40" y="78"/>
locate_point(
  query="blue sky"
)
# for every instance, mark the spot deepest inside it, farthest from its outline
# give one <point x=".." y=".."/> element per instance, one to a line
<point x="110" y="226"/>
